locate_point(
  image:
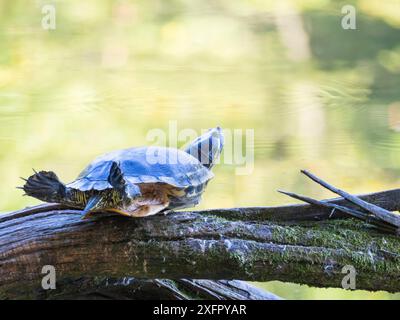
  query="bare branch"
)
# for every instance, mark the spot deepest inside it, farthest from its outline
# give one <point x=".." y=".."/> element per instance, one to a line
<point x="377" y="211"/>
<point x="379" y="224"/>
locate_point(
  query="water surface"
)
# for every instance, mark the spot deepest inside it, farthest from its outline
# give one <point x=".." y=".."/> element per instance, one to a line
<point x="317" y="96"/>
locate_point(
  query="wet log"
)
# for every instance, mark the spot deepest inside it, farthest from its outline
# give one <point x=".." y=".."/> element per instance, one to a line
<point x="291" y="243"/>
<point x="127" y="288"/>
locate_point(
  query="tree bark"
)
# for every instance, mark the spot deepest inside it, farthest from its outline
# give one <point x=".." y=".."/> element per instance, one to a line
<point x="388" y="199"/>
<point x="128" y="288"/>
<point x="290" y="243"/>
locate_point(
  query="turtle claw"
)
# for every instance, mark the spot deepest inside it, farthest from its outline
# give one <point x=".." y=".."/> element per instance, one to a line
<point x="165" y="212"/>
<point x="87" y="215"/>
<point x="21" y="188"/>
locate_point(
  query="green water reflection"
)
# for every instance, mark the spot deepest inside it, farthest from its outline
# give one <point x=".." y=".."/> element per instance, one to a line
<point x="317" y="96"/>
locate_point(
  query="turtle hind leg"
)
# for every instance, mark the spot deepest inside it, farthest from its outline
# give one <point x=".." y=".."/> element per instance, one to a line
<point x="116" y="178"/>
<point x="45" y="186"/>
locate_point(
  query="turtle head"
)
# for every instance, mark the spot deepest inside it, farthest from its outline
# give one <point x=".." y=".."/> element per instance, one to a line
<point x="207" y="147"/>
<point x="45" y="186"/>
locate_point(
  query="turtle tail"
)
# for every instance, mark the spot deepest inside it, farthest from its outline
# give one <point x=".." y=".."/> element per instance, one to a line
<point x="45" y="186"/>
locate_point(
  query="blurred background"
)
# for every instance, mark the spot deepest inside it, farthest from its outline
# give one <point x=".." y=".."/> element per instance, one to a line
<point x="317" y="96"/>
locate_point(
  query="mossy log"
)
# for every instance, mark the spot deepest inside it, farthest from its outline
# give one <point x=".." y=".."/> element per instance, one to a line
<point x="210" y="244"/>
<point x="19" y="235"/>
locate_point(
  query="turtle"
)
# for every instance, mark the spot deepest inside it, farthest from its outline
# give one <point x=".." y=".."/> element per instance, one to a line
<point x="136" y="182"/>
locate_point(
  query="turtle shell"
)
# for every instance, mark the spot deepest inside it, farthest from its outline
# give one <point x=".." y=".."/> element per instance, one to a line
<point x="145" y="165"/>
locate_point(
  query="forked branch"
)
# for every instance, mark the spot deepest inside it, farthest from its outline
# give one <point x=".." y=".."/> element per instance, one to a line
<point x="381" y="218"/>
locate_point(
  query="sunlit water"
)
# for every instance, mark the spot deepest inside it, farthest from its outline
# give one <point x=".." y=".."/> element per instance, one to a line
<point x="317" y="96"/>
